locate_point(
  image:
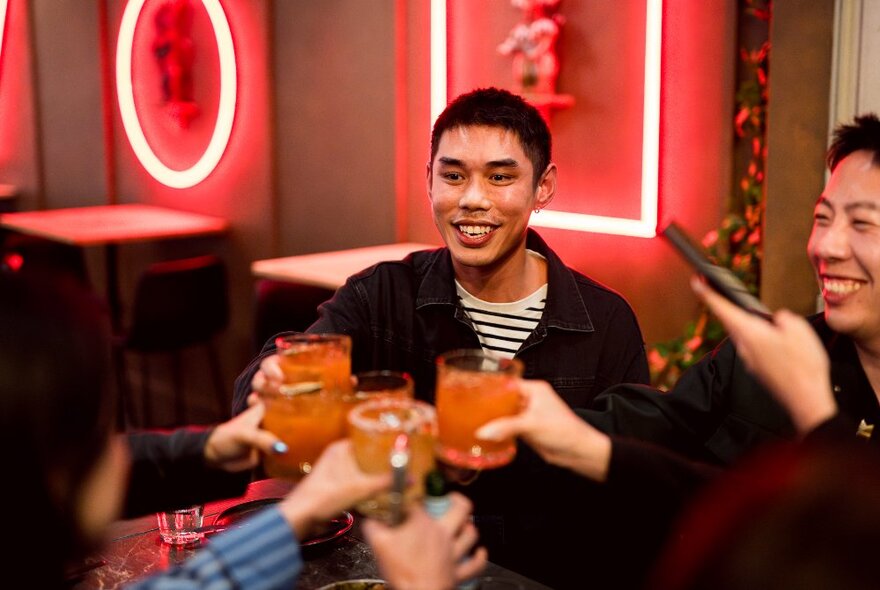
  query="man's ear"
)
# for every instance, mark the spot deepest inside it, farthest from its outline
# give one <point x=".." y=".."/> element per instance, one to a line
<point x="546" y="188"/>
<point x="429" y="180"/>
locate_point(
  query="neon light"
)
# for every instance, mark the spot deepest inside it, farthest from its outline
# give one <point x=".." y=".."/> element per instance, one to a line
<point x="225" y="110"/>
<point x="4" y="7"/>
<point x="646" y="225"/>
<point x="438" y="58"/>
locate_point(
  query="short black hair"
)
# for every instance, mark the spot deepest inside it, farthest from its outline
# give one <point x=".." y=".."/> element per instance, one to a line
<point x="862" y="134"/>
<point x="494" y="107"/>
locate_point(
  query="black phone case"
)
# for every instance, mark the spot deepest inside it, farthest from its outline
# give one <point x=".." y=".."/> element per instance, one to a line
<point x="719" y="278"/>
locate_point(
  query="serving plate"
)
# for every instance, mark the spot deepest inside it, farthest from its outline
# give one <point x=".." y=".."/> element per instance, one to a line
<point x="326" y="533"/>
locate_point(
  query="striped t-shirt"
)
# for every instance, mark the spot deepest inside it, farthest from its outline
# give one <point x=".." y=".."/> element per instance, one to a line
<point x="503" y="327"/>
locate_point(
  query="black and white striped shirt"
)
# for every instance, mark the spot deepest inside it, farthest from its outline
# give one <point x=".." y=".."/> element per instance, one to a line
<point x="503" y="327"/>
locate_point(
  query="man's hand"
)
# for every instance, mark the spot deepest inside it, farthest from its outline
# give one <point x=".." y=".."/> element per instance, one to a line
<point x="235" y="445"/>
<point x="427" y="554"/>
<point x="786" y="355"/>
<point x="269" y="377"/>
<point x="556" y="433"/>
<point x="334" y="484"/>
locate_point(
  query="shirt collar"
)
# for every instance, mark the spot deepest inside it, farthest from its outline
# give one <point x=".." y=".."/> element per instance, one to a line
<point x="852" y="389"/>
<point x="565" y="308"/>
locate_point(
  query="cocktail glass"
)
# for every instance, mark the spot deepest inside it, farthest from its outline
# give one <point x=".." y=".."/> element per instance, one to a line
<point x="474" y="387"/>
<point x="324" y="358"/>
<point x="383" y="429"/>
<point x="307" y="411"/>
<point x="371" y="385"/>
<point x="306" y="418"/>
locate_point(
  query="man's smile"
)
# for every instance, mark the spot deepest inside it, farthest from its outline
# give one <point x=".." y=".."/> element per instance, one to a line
<point x="840" y="286"/>
<point x="475" y="231"/>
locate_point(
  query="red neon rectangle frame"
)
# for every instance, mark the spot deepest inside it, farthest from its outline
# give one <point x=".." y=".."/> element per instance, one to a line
<point x="646" y="225"/>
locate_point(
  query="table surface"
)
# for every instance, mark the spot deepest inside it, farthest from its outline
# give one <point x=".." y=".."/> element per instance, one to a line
<point x="135" y="550"/>
<point x="331" y="269"/>
<point x="112" y="224"/>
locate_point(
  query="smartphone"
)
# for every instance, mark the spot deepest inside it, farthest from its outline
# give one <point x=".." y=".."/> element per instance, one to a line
<point x="719" y="278"/>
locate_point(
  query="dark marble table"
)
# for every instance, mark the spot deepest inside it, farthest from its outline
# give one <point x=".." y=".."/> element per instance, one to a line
<point x="135" y="550"/>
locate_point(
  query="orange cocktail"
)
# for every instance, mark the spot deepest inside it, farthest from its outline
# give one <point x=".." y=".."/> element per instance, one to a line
<point x="323" y="358"/>
<point x="474" y="387"/>
<point x="307" y="412"/>
<point x="307" y="420"/>
<point x="375" y="427"/>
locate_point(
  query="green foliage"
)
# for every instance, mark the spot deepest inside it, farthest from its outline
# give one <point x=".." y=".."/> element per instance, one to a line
<point x="737" y="243"/>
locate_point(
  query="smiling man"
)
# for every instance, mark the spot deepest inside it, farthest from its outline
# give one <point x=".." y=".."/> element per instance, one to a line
<point x="822" y="379"/>
<point x="497" y="286"/>
<point x="717" y="412"/>
<point x="845" y="248"/>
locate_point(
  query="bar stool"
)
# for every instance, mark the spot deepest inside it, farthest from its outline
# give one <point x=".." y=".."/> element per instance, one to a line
<point x="177" y="305"/>
<point x="281" y="306"/>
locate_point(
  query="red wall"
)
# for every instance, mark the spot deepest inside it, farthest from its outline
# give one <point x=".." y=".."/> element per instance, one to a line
<point x="597" y="143"/>
<point x="272" y="167"/>
<point x="18" y="164"/>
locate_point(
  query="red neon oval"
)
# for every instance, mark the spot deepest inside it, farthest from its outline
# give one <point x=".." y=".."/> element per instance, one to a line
<point x="225" y="110"/>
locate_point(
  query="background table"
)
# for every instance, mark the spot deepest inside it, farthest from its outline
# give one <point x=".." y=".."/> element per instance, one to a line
<point x="136" y="550"/>
<point x="330" y="269"/>
<point x="290" y="289"/>
<point x="110" y="225"/>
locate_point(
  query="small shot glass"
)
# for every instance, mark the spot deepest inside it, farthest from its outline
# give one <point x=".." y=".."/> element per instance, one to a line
<point x="181" y="527"/>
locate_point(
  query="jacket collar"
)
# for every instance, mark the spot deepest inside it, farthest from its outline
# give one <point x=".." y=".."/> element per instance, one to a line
<point x="565" y="307"/>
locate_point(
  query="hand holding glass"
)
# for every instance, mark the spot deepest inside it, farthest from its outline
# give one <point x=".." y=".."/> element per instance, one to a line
<point x="307" y="412"/>
<point x="473" y="388"/>
<point x="375" y="426"/>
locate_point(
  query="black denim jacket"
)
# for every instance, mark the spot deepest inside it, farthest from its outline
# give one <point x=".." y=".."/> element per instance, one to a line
<point x="402" y="314"/>
<point x="717" y="412"/>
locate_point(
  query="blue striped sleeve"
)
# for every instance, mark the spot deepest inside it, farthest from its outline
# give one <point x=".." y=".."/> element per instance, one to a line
<point x="260" y="555"/>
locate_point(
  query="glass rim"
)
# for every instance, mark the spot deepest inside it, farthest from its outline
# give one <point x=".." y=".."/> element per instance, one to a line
<point x="285" y="341"/>
<point x="404" y="377"/>
<point x="502" y="365"/>
<point x="425" y="415"/>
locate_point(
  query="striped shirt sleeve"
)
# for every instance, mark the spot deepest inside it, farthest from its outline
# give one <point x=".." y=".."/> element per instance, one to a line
<point x="262" y="554"/>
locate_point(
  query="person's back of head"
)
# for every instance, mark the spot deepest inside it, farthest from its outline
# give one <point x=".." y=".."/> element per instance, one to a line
<point x="794" y="518"/>
<point x="55" y="414"/>
<point x="494" y="107"/>
<point x="862" y="134"/>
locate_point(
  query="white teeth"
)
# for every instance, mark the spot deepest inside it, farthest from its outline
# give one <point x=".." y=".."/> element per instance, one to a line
<point x="841" y="286"/>
<point x="475" y="231"/>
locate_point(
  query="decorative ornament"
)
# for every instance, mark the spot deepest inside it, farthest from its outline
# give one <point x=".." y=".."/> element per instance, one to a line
<point x="532" y="43"/>
<point x="175" y="52"/>
<point x="172" y="177"/>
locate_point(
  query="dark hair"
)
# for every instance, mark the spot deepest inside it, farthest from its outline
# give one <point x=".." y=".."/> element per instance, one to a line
<point x="493" y="107"/>
<point x="795" y="517"/>
<point x="862" y="134"/>
<point x="56" y="414"/>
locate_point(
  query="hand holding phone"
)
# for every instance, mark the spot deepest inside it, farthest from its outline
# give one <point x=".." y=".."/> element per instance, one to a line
<point x="719" y="278"/>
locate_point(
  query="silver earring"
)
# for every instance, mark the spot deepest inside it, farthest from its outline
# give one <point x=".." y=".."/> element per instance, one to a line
<point x="537" y="210"/>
